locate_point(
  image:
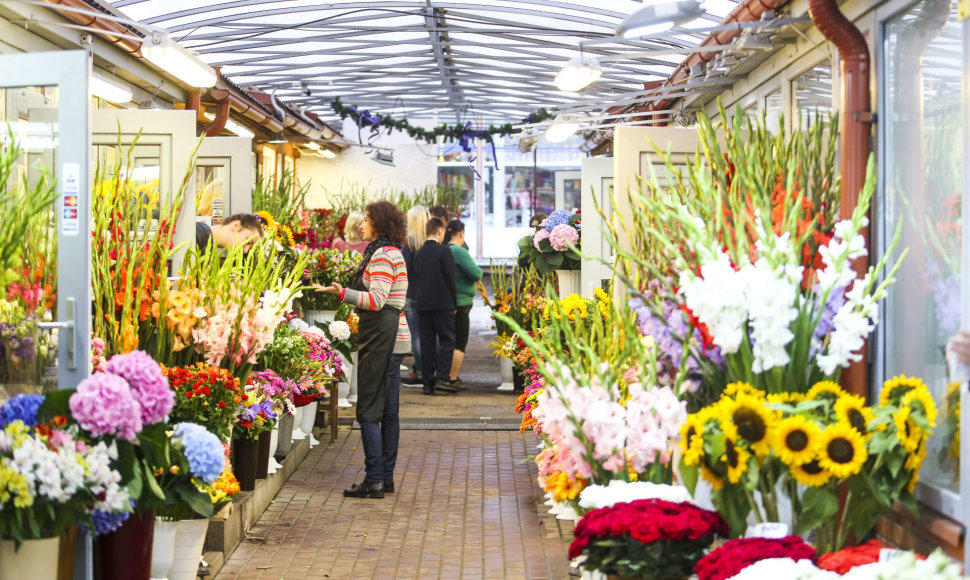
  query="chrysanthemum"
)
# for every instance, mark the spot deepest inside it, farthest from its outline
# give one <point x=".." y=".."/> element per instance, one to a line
<point x="852" y="410"/>
<point x="921" y="397"/>
<point x="825" y="390"/>
<point x="752" y="420"/>
<point x="796" y="440"/>
<point x="894" y="389"/>
<point x="811" y="474"/>
<point x="906" y="430"/>
<point x="842" y="450"/>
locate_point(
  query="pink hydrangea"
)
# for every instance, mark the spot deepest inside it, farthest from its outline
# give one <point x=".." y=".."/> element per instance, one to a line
<point x="540" y="235"/>
<point x="148" y="384"/>
<point x="561" y="236"/>
<point x="105" y="405"/>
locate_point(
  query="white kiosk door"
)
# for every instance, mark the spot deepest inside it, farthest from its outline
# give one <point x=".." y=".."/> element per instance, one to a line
<point x="597" y="186"/>
<point x="223" y="178"/>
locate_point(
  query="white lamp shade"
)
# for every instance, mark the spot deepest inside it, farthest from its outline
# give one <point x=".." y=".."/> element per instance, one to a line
<point x="109" y="91"/>
<point x="326" y="153"/>
<point x="180" y="63"/>
<point x="560" y="129"/>
<point x="657" y="18"/>
<point x="313" y="145"/>
<point x="578" y="73"/>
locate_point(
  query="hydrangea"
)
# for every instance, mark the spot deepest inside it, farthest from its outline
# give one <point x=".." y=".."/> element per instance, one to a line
<point x="104" y="405"/>
<point x="203" y="450"/>
<point x="557" y="218"/>
<point x="339" y="330"/>
<point x="21" y="408"/>
<point x="562" y="236"/>
<point x="540" y="235"/>
<point x="107" y="522"/>
<point x="148" y="384"/>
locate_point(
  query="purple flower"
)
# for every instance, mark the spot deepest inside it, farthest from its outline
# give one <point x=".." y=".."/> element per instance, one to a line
<point x="826" y="322"/>
<point x="557" y="218"/>
<point x="148" y="384"/>
<point x="21" y="408"/>
<point x="946" y="299"/>
<point x="104" y="405"/>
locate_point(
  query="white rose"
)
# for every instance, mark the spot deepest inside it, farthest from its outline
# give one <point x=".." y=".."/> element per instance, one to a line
<point x="339" y="330"/>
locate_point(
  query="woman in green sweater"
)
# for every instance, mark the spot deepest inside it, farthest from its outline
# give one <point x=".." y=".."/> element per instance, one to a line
<point x="466" y="284"/>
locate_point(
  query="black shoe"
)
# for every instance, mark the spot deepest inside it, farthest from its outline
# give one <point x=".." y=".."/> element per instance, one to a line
<point x="428" y="390"/>
<point x="388" y="486"/>
<point x="459" y="384"/>
<point x="411" y="379"/>
<point x="445" y="386"/>
<point x="366" y="489"/>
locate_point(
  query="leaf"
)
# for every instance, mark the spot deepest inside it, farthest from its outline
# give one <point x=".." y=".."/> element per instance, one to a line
<point x="862" y="512"/>
<point x="909" y="500"/>
<point x="733" y="508"/>
<point x="55" y="403"/>
<point x="545" y="246"/>
<point x="198" y="500"/>
<point x="688" y="475"/>
<point x="555" y="260"/>
<point x="819" y="505"/>
<point x="152" y="482"/>
<point x="135" y="484"/>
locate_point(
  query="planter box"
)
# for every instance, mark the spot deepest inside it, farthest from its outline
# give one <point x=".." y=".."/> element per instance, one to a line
<point x="227" y="528"/>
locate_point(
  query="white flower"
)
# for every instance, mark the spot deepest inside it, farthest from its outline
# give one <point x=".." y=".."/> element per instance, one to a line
<point x="717" y="299"/>
<point x="299" y="325"/>
<point x="784" y="568"/>
<point x="618" y="491"/>
<point x="905" y="566"/>
<point x="771" y="295"/>
<point x="853" y="323"/>
<point x="339" y="330"/>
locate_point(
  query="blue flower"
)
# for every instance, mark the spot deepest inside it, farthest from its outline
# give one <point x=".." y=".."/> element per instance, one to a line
<point x="203" y="450"/>
<point x="21" y="407"/>
<point x="107" y="522"/>
<point x="557" y="218"/>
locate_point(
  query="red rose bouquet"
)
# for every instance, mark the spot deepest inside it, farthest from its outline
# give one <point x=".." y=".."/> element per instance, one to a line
<point x="848" y="558"/>
<point x="647" y="538"/>
<point x="205" y="395"/>
<point x="729" y="559"/>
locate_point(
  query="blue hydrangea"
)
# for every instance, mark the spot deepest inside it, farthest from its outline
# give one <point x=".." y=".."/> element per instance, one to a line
<point x="203" y="450"/>
<point x="107" y="522"/>
<point x="557" y="218"/>
<point x="22" y="408"/>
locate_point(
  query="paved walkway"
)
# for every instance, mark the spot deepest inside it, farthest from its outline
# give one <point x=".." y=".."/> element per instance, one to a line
<point x="466" y="507"/>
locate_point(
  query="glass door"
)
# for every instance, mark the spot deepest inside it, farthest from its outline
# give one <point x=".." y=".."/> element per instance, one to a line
<point x="223" y="178"/>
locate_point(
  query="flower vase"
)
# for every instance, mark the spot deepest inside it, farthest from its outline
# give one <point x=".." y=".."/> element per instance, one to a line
<point x="274" y="441"/>
<point x="298" y="433"/>
<point x="508" y="371"/>
<point x="569" y="281"/>
<point x="352" y="395"/>
<point x="245" y="453"/>
<point x="163" y="549"/>
<point x="33" y="560"/>
<point x="126" y="553"/>
<point x="285" y="439"/>
<point x="68" y="551"/>
<point x="189" y="541"/>
<point x="343" y="388"/>
<point x="308" y="419"/>
<point x="518" y="381"/>
<point x="262" y="456"/>
<point x="322" y="316"/>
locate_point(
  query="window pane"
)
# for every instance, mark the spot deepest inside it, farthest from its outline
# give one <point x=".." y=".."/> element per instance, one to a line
<point x="813" y="94"/>
<point x="923" y="188"/>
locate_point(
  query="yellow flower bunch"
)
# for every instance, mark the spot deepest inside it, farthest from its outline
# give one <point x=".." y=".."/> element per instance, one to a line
<point x="572" y="307"/>
<point x="181" y="315"/>
<point x="563" y="486"/>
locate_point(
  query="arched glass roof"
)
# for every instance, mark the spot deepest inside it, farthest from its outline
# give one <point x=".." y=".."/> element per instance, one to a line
<point x="496" y="59"/>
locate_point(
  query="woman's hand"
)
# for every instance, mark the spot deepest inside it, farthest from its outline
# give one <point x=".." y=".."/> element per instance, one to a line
<point x="332" y="289"/>
<point x="959" y="346"/>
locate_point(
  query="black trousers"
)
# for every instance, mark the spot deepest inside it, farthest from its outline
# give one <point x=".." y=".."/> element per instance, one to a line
<point x="436" y="325"/>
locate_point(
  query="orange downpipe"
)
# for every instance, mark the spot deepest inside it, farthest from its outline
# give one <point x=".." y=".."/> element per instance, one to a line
<point x="222" y="113"/>
<point x="108" y="26"/>
<point x="855" y="130"/>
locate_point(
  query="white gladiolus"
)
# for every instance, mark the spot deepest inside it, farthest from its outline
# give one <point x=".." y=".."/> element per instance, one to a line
<point x="717" y="299"/>
<point x="771" y="296"/>
<point x="853" y="323"/>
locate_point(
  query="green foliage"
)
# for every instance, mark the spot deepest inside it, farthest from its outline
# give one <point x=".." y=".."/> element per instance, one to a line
<point x="352" y="196"/>
<point x="283" y="201"/>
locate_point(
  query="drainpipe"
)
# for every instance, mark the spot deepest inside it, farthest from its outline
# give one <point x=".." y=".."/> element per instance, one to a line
<point x="108" y="26"/>
<point x="222" y="113"/>
<point x="856" y="124"/>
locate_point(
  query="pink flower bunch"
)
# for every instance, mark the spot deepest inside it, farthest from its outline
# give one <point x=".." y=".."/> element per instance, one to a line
<point x="32" y="295"/>
<point x="97" y="355"/>
<point x="255" y="332"/>
<point x="105" y="405"/>
<point x="319" y="349"/>
<point x="653" y="420"/>
<point x="540" y="235"/>
<point x="216" y="331"/>
<point x="149" y="386"/>
<point x="562" y="236"/>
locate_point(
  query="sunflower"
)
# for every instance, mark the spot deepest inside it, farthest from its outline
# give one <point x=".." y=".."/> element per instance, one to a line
<point x="906" y="430"/>
<point x="796" y="439"/>
<point x="786" y="398"/>
<point x="692" y="437"/>
<point x="284" y="235"/>
<point x="752" y="420"/>
<point x="896" y="387"/>
<point x="712" y="477"/>
<point x="811" y="474"/>
<point x="825" y="390"/>
<point x="852" y="410"/>
<point x="915" y="459"/>
<point x="923" y="397"/>
<point x="842" y="450"/>
<point x="736" y="459"/>
<point x="734" y="389"/>
<point x="913" y="478"/>
<point x="267" y="217"/>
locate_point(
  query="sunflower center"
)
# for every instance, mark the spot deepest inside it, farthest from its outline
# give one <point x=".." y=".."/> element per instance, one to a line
<point x="841" y="450"/>
<point x="691" y="431"/>
<point x="812" y="467"/>
<point x="750" y="425"/>
<point x="731" y="453"/>
<point x="857" y="420"/>
<point x="796" y="440"/>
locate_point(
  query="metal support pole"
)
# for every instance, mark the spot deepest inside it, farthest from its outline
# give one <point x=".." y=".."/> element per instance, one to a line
<point x="479" y="194"/>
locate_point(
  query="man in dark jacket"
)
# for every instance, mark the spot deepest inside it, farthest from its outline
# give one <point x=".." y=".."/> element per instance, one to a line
<point x="433" y="273"/>
<point x="240" y="228"/>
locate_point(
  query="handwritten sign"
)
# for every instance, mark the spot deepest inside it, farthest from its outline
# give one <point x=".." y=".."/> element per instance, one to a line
<point x="770" y="530"/>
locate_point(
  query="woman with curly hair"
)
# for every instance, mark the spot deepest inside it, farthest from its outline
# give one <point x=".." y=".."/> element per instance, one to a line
<point x="378" y="290"/>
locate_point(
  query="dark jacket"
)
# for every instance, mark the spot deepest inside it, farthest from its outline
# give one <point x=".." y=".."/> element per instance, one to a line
<point x="202" y="235"/>
<point x="433" y="274"/>
<point x="408" y="260"/>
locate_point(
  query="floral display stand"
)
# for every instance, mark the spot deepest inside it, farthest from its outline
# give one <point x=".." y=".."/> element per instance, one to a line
<point x="189" y="539"/>
<point x="505" y="365"/>
<point x="315" y="316"/>
<point x="569" y="282"/>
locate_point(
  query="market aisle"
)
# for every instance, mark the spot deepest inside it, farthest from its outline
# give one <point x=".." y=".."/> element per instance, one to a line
<point x="465" y="508"/>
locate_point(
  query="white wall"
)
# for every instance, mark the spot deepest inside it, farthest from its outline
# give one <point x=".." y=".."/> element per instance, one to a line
<point x="415" y="165"/>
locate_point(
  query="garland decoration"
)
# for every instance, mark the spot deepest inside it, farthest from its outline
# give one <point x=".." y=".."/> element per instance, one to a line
<point x="457" y="132"/>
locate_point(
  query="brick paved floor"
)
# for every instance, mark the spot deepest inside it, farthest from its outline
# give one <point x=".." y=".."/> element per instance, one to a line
<point x="466" y="508"/>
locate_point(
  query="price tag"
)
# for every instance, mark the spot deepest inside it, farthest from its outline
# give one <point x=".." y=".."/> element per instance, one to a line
<point x="887" y="554"/>
<point x="770" y="530"/>
<point x="70" y="187"/>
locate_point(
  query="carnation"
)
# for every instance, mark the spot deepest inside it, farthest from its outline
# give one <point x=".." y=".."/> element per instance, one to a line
<point x="104" y="405"/>
<point x="21" y="408"/>
<point x="202" y="449"/>
<point x="148" y="384"/>
<point x="619" y="491"/>
<point x="562" y="236"/>
<point x="339" y="330"/>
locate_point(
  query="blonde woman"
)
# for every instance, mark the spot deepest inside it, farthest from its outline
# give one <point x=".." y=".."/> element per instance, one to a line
<point x="418" y="217"/>
<point x="352" y="239"/>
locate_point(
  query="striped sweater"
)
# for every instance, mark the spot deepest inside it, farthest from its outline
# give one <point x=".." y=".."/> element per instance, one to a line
<point x="386" y="280"/>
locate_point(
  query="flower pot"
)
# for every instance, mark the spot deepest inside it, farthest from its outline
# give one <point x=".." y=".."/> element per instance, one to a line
<point x="262" y="455"/>
<point x="298" y="433"/>
<point x="569" y="281"/>
<point x="189" y="541"/>
<point x="322" y="316"/>
<point x="68" y="549"/>
<point x="274" y="441"/>
<point x="126" y="553"/>
<point x="507" y="370"/>
<point x="163" y="549"/>
<point x="518" y="381"/>
<point x="352" y="395"/>
<point x="33" y="560"/>
<point x="285" y="439"/>
<point x="308" y="418"/>
<point x="245" y="453"/>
